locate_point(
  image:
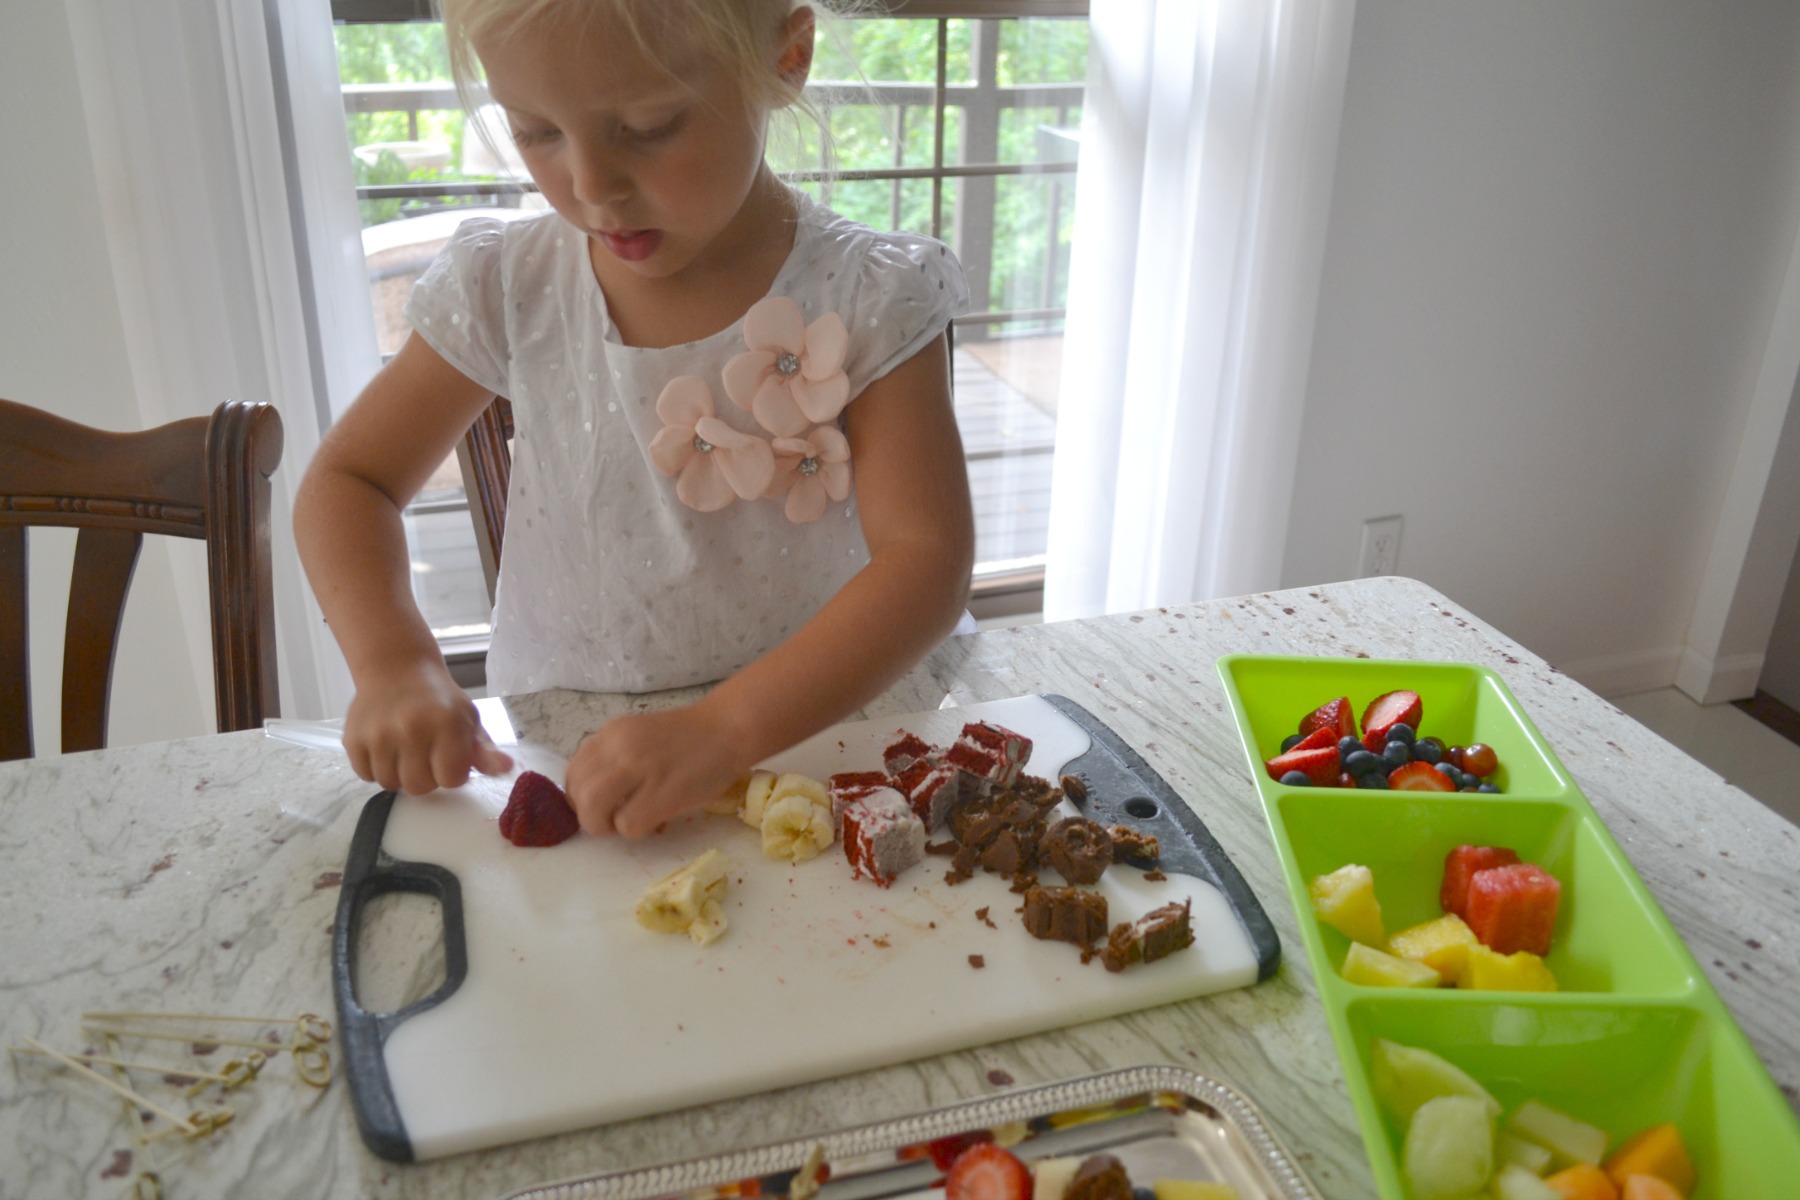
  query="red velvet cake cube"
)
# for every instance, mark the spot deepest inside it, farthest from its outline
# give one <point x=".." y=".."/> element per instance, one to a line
<point x="933" y="789"/>
<point x="990" y="752"/>
<point x="905" y="750"/>
<point x="882" y="836"/>
<point x="852" y="785"/>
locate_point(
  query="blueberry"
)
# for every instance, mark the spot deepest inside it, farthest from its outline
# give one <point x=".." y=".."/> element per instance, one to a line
<point x="1428" y="750"/>
<point x="1401" y="732"/>
<point x="1374" y="781"/>
<point x="1346" y="747"/>
<point x="1449" y="772"/>
<point x="1361" y="762"/>
<point x="1290" y="741"/>
<point x="1396" y="754"/>
<point x="1296" y="779"/>
<point x="1490" y="788"/>
<point x="1142" y="1193"/>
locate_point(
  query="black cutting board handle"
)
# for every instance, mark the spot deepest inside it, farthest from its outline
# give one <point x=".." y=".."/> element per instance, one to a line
<point x="1123" y="789"/>
<point x="368" y="874"/>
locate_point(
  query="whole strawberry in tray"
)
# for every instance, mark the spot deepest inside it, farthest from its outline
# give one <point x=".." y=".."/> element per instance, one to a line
<point x="537" y="813"/>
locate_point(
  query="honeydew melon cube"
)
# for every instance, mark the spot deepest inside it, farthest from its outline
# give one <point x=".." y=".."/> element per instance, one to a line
<point x="1512" y="1150"/>
<point x="1190" y="1189"/>
<point x="1520" y="971"/>
<point x="1569" y="1140"/>
<point x="1345" y="900"/>
<point x="1449" y="1149"/>
<point x="1442" y="944"/>
<point x="1513" y="1182"/>
<point x="1050" y="1177"/>
<point x="1405" y="1077"/>
<point x="1374" y="968"/>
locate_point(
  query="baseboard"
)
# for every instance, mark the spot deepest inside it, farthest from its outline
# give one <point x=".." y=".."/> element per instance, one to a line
<point x="1714" y="681"/>
<point x="1625" y="674"/>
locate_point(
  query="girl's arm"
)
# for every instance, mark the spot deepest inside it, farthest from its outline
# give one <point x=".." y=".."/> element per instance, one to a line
<point x="912" y="493"/>
<point x="409" y="725"/>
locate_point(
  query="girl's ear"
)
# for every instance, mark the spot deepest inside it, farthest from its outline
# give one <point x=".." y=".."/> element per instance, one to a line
<point x="794" y="63"/>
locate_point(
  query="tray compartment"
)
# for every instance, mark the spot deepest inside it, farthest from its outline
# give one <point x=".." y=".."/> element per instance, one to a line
<point x="1610" y="935"/>
<point x="1621" y="1066"/>
<point x="1462" y="704"/>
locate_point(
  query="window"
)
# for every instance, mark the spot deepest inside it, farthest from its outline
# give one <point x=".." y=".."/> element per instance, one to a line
<point x="955" y="119"/>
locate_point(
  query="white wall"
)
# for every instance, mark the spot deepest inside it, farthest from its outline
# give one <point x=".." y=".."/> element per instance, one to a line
<point x="62" y="348"/>
<point x="1556" y="239"/>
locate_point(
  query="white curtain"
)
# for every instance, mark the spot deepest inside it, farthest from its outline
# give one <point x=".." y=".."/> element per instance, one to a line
<point x="1208" y="146"/>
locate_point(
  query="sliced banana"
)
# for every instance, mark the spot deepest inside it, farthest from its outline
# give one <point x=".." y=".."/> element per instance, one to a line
<point x="730" y="802"/>
<point x="795" y="784"/>
<point x="674" y="903"/>
<point x="796" y="829"/>
<point x="757" y="790"/>
<point x="710" y="925"/>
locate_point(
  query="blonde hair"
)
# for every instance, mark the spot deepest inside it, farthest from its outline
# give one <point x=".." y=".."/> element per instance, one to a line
<point x="739" y="36"/>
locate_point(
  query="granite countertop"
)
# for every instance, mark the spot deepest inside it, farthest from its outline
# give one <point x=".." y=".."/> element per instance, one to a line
<point x="202" y="875"/>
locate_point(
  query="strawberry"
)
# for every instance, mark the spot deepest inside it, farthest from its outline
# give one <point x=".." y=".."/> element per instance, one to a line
<point x="1318" y="739"/>
<point x="1320" y="766"/>
<point x="1513" y="908"/>
<point x="1460" y="866"/>
<point x="1336" y="715"/>
<point x="987" y="1172"/>
<point x="537" y="813"/>
<point x="1419" y="777"/>
<point x="1388" y="710"/>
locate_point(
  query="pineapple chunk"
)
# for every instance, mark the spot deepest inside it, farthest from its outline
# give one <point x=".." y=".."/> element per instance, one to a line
<point x="1345" y="900"/>
<point x="1443" y="944"/>
<point x="1521" y="971"/>
<point x="1374" y="968"/>
<point x="1569" y="1141"/>
<point x="1188" y="1189"/>
<point x="1515" y="1151"/>
<point x="1449" y="1148"/>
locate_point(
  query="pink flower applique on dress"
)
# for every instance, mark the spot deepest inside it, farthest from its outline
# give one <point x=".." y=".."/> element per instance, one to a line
<point x="792" y="375"/>
<point x="713" y="463"/>
<point x="811" y="471"/>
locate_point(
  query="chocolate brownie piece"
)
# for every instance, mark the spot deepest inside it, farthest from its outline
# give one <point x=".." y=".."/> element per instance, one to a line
<point x="1157" y="934"/>
<point x="1077" y="849"/>
<point x="1133" y="845"/>
<point x="1099" y="1177"/>
<point x="1065" y="914"/>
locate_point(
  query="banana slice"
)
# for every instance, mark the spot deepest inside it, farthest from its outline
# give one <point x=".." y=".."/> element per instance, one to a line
<point x="674" y="903"/>
<point x="757" y="790"/>
<point x="729" y="802"/>
<point x="794" y="784"/>
<point x="795" y="828"/>
<point x="710" y="925"/>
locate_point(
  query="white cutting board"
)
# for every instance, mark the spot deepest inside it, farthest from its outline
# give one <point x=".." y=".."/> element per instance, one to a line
<point x="571" y="1015"/>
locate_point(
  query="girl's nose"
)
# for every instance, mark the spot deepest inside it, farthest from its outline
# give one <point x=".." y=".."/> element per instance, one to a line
<point x="598" y="176"/>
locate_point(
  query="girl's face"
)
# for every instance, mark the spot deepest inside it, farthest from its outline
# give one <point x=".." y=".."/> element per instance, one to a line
<point x="655" y="163"/>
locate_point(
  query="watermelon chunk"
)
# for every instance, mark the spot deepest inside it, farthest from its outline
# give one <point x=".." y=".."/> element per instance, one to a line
<point x="1513" y="908"/>
<point x="1460" y="866"/>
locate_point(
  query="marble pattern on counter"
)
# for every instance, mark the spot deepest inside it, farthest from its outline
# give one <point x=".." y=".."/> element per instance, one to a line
<point x="221" y="858"/>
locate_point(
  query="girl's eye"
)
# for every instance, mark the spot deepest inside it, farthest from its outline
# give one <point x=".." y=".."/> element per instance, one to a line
<point x="656" y="133"/>
<point x="525" y="139"/>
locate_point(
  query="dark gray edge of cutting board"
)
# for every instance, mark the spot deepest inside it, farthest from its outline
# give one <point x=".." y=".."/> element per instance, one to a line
<point x="1118" y="780"/>
<point x="368" y="874"/>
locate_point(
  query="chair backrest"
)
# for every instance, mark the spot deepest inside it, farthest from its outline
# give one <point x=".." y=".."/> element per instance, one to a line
<point x="485" y="456"/>
<point x="203" y="477"/>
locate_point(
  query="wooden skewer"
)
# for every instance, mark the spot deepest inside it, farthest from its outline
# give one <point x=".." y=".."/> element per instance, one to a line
<point x="156" y="1035"/>
<point x="180" y="1122"/>
<point x="134" y="1066"/>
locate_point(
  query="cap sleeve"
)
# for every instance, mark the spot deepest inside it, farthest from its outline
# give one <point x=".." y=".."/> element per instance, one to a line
<point x="907" y="290"/>
<point x="458" y="305"/>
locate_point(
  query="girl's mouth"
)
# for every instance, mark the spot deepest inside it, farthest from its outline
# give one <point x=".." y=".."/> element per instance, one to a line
<point x="632" y="245"/>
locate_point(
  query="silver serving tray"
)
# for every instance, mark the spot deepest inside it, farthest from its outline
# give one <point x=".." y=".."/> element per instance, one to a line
<point x="1161" y="1122"/>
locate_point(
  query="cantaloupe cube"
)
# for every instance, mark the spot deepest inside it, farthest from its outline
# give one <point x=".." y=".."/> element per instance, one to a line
<point x="1442" y="944"/>
<point x="1513" y="1182"/>
<point x="1511" y="1149"/>
<point x="1405" y="1077"/>
<point x="1569" y="1140"/>
<point x="1583" y="1181"/>
<point x="1648" y="1187"/>
<point x="1449" y="1148"/>
<point x="1657" y="1151"/>
<point x="1345" y="900"/>
<point x="1375" y="968"/>
<point x="1520" y="971"/>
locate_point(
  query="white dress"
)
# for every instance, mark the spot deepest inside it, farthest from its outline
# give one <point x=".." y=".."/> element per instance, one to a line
<point x="608" y="581"/>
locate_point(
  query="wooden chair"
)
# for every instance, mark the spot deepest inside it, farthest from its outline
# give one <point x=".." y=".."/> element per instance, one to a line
<point x="203" y="477"/>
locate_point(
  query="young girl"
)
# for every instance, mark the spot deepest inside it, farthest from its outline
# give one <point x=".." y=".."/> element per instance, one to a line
<point x="735" y="454"/>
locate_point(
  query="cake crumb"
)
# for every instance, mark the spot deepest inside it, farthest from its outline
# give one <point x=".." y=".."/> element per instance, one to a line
<point x="981" y="914"/>
<point x="977" y="961"/>
<point x="1155" y="876"/>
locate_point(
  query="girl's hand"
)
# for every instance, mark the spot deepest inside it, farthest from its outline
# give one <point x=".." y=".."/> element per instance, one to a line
<point x="636" y="772"/>
<point x="416" y="731"/>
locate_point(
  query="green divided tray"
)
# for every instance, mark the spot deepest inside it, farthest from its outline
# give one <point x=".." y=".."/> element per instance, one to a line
<point x="1635" y="1036"/>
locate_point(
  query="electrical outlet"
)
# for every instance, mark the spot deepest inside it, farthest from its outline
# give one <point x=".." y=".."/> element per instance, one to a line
<point x="1380" y="547"/>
